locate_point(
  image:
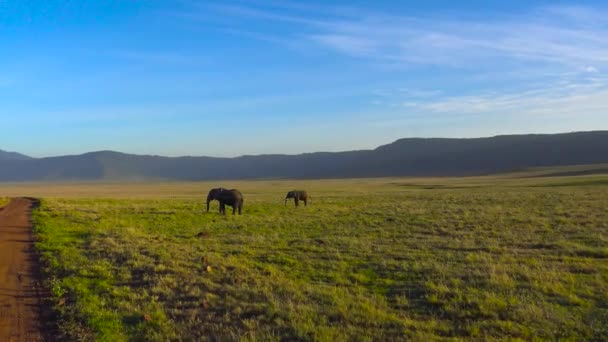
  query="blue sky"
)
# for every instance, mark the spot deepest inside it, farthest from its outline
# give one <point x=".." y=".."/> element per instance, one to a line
<point x="226" y="78"/>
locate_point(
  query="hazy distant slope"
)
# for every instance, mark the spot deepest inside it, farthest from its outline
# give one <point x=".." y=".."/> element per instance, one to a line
<point x="404" y="157"/>
<point x="4" y="155"/>
<point x="495" y="154"/>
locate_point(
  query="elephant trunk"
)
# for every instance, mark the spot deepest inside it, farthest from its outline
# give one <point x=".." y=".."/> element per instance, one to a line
<point x="208" y="201"/>
<point x="286" y="200"/>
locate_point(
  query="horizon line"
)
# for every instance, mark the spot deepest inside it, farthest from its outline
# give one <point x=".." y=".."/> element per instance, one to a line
<point x="297" y="154"/>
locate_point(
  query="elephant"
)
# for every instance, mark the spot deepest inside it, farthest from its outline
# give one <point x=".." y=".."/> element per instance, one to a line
<point x="212" y="194"/>
<point x="297" y="195"/>
<point x="232" y="197"/>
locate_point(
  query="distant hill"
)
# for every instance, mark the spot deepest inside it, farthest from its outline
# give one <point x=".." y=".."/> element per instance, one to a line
<point x="9" y="156"/>
<point x="404" y="157"/>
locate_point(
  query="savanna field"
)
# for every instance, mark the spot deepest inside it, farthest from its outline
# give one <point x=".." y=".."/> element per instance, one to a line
<point x="483" y="258"/>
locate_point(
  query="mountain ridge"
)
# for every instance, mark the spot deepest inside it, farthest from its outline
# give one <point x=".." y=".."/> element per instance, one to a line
<point x="6" y="155"/>
<point x="403" y="157"/>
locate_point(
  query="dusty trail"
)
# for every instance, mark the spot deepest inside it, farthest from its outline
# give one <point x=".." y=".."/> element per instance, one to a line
<point x="20" y="300"/>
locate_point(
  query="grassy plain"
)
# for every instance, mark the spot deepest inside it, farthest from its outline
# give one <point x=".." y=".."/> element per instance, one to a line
<point x="377" y="259"/>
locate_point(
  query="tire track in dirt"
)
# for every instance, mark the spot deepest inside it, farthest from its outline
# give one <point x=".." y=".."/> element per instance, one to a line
<point x="20" y="299"/>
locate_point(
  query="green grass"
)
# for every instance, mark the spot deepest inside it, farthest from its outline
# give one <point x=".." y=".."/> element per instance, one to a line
<point x="368" y="260"/>
<point x="578" y="182"/>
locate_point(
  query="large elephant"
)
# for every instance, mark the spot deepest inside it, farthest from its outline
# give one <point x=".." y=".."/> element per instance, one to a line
<point x="212" y="194"/>
<point x="233" y="198"/>
<point x="298" y="195"/>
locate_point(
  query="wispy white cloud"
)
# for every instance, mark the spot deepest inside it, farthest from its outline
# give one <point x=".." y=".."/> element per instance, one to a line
<point x="566" y="98"/>
<point x="545" y="62"/>
<point x="543" y="37"/>
<point x="257" y="13"/>
<point x="541" y="113"/>
<point x="578" y="101"/>
<point x="591" y="69"/>
<point x="563" y="35"/>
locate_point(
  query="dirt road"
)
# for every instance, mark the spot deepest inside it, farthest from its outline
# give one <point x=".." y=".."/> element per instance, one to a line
<point x="20" y="301"/>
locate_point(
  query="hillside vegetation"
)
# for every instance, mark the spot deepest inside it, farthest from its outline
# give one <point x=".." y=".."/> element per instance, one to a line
<point x="392" y="259"/>
<point x="404" y="157"/>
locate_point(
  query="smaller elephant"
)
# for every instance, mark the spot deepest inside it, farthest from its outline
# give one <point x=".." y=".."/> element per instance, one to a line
<point x="233" y="198"/>
<point x="297" y="195"/>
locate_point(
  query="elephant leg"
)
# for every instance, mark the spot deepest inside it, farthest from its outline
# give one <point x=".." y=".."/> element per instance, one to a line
<point x="240" y="208"/>
<point x="297" y="202"/>
<point x="305" y="204"/>
<point x="222" y="209"/>
<point x="234" y="209"/>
